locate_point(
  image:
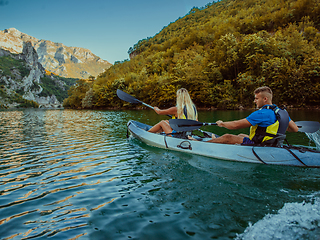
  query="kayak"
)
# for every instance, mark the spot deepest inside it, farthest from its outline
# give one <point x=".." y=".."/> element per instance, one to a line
<point x="285" y="155"/>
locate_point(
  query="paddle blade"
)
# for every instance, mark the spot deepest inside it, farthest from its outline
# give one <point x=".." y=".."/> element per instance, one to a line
<point x="183" y="125"/>
<point x="126" y="97"/>
<point x="308" y="126"/>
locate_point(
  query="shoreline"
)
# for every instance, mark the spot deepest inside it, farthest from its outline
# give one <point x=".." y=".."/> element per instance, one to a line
<point x="311" y="108"/>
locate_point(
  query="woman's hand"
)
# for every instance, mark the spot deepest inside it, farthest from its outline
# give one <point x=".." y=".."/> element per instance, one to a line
<point x="156" y="109"/>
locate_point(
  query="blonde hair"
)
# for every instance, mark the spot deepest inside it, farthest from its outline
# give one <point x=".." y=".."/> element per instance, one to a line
<point x="183" y="99"/>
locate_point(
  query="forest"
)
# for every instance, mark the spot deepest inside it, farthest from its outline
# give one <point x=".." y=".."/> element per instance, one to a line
<point x="220" y="53"/>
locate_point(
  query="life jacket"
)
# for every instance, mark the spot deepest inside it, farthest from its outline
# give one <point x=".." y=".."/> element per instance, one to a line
<point x="184" y="134"/>
<point x="274" y="134"/>
<point x="185" y="113"/>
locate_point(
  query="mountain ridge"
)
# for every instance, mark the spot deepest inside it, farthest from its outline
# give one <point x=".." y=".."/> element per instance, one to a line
<point x="73" y="62"/>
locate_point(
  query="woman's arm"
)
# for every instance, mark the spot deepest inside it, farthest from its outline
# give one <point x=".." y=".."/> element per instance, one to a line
<point x="170" y="111"/>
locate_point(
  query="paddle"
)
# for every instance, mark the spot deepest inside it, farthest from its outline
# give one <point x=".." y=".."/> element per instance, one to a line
<point x="308" y="126"/>
<point x="186" y="124"/>
<point x="128" y="98"/>
<point x="189" y="125"/>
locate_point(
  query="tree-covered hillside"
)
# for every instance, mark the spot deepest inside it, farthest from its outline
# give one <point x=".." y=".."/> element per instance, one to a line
<point x="220" y="53"/>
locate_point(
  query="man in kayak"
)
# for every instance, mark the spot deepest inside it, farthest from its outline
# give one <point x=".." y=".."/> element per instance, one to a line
<point x="266" y="124"/>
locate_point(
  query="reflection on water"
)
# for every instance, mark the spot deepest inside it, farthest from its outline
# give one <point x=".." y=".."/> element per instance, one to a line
<point x="51" y="161"/>
<point x="68" y="174"/>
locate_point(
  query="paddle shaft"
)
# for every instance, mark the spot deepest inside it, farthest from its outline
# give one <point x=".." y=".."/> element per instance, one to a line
<point x="153" y="108"/>
<point x="146" y="104"/>
<point x="200" y="124"/>
<point x="188" y="125"/>
<point x="210" y="124"/>
<point x="304" y="126"/>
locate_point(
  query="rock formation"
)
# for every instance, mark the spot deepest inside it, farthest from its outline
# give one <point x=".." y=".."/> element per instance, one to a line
<point x="27" y="80"/>
<point x="72" y="62"/>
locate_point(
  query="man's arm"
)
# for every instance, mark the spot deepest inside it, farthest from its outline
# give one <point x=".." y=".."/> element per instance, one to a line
<point x="237" y="124"/>
<point x="292" y="127"/>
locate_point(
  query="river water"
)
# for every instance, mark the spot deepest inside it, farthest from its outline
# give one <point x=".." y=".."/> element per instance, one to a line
<point x="69" y="174"/>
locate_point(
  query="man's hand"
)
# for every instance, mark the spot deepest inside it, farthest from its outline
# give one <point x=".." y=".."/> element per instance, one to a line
<point x="219" y="123"/>
<point x="232" y="125"/>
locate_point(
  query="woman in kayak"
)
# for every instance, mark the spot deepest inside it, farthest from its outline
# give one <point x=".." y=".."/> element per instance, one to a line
<point x="184" y="109"/>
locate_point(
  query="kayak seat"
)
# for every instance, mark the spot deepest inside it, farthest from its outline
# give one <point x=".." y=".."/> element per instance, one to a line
<point x="276" y="141"/>
<point x="182" y="135"/>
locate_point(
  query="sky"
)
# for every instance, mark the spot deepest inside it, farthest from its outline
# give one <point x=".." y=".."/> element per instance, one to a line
<point x="108" y="28"/>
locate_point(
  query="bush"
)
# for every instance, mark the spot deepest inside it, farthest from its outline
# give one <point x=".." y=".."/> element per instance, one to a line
<point x="7" y="63"/>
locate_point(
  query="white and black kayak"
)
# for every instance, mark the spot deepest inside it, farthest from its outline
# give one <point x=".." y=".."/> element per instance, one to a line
<point x="286" y="155"/>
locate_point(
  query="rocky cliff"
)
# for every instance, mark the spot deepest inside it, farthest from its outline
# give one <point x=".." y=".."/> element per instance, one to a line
<point x="64" y="61"/>
<point x="24" y="82"/>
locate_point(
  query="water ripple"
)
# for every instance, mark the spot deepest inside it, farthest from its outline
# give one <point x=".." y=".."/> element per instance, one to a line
<point x="54" y="160"/>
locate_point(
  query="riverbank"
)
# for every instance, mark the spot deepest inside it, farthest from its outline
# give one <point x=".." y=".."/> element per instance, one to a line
<point x="141" y="107"/>
<point x="315" y="108"/>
